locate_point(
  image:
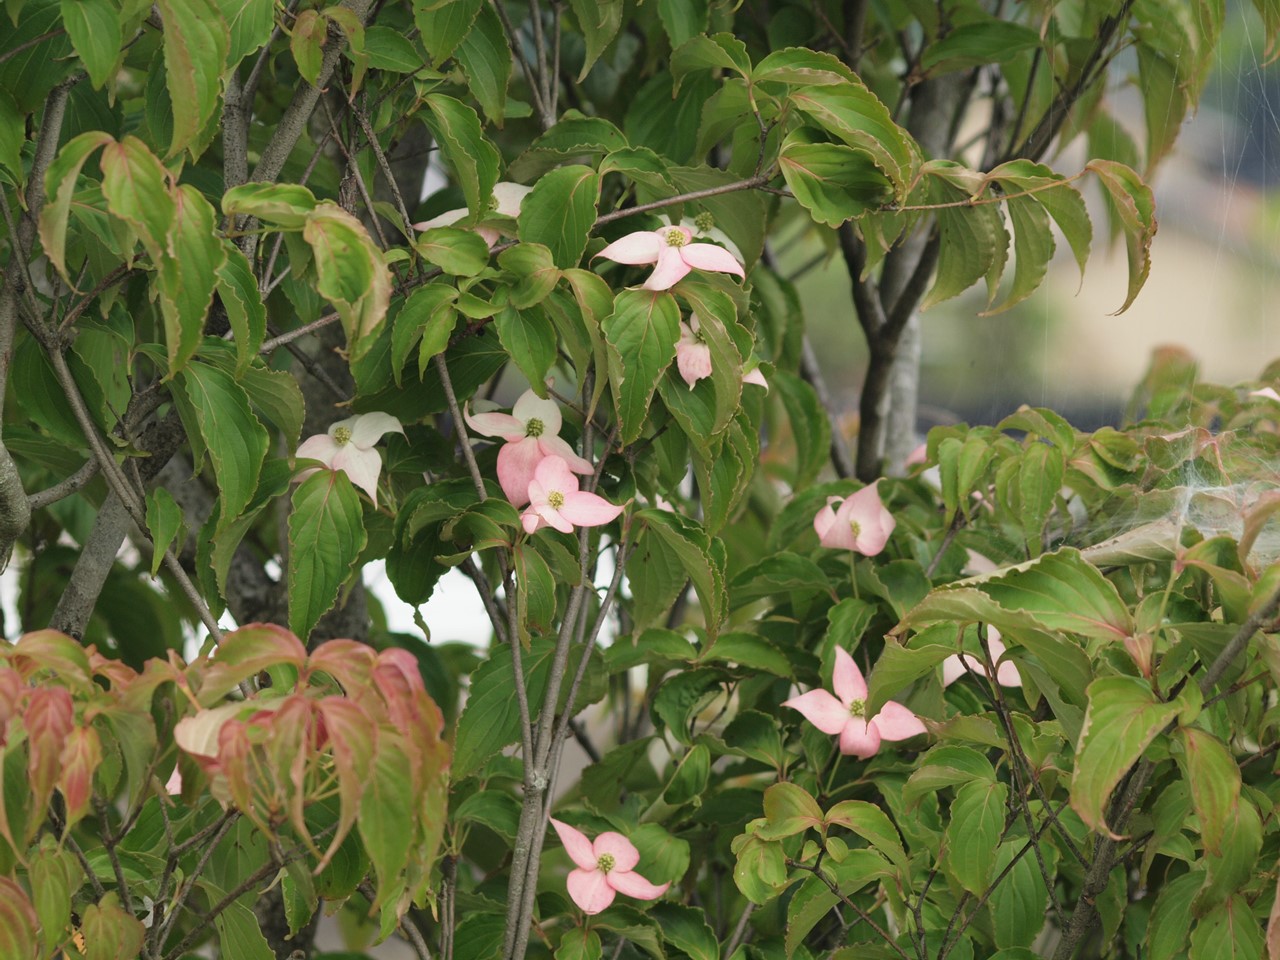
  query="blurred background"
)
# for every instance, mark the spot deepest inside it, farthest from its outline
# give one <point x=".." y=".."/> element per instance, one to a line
<point x="1214" y="288"/>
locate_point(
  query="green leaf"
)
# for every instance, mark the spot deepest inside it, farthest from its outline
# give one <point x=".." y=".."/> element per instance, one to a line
<point x="749" y="651"/>
<point x="1065" y="592"/>
<point x="899" y="666"/>
<point x="834" y="182"/>
<point x="852" y="113"/>
<point x="989" y="40"/>
<point x="579" y="944"/>
<point x="111" y="933"/>
<point x="385" y="809"/>
<point x="1123" y="718"/>
<point x="689" y="782"/>
<point x="238" y="290"/>
<point x="55" y="876"/>
<point x="973" y="245"/>
<point x="306" y="43"/>
<point x="460" y="252"/>
<point x="599" y="21"/>
<point x="1228" y="932"/>
<point x="164" y="520"/>
<point x="686" y="929"/>
<point x="13" y="134"/>
<point x="870" y="822"/>
<point x="683" y="19"/>
<point x="196" y="43"/>
<point x="186" y="279"/>
<point x="530" y="338"/>
<point x="326" y="535"/>
<point x="761" y="868"/>
<point x="473" y="159"/>
<point x="1135" y="206"/>
<point x="701" y="556"/>
<point x="944" y="766"/>
<point x="1033" y="248"/>
<point x="641" y="334"/>
<point x="1020" y="904"/>
<point x="236" y="441"/>
<point x="574" y="137"/>
<point x="535" y="275"/>
<point x="251" y="22"/>
<point x="94" y="28"/>
<point x="350" y="274"/>
<point x="486" y="59"/>
<point x="810" y="428"/>
<point x="803" y="67"/>
<point x="560" y="213"/>
<point x="1063" y="203"/>
<point x="286" y="205"/>
<point x="682" y="697"/>
<point x="498" y="811"/>
<point x="1215" y="782"/>
<point x="721" y="52"/>
<point x="443" y="24"/>
<point x="136" y="187"/>
<point x="391" y="51"/>
<point x="973" y="833"/>
<point x="427" y="316"/>
<point x="59" y="187"/>
<point x="789" y="809"/>
<point x="1171" y="918"/>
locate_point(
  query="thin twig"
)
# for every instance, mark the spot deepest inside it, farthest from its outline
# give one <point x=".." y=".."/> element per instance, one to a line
<point x="59" y="491"/>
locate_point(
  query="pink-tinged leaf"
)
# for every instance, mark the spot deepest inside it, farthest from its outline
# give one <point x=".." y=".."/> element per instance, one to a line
<point x="347" y="661"/>
<point x="896" y="722"/>
<point x="635" y="248"/>
<point x="708" y="256"/>
<point x="590" y="890"/>
<point x="49" y="720"/>
<point x="351" y="274"/>
<point x="859" y="739"/>
<point x="81" y="755"/>
<point x="517" y="463"/>
<point x="244" y="653"/>
<point x="1273" y="927"/>
<point x="135" y="184"/>
<point x="233" y="775"/>
<point x="18" y="923"/>
<point x="196" y="43"/>
<point x="1214" y="777"/>
<point x="1135" y="208"/>
<point x="821" y="709"/>
<point x="671" y="269"/>
<point x="199" y="735"/>
<point x="12" y="690"/>
<point x="1123" y="718"/>
<point x="846" y="679"/>
<point x="59" y="186"/>
<point x="353" y="738"/>
<point x="633" y="885"/>
<point x="55" y="652"/>
<point x="612" y="844"/>
<point x="588" y="510"/>
<point x="576" y="844"/>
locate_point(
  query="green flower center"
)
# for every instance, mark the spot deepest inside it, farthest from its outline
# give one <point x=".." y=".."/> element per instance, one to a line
<point x="704" y="221"/>
<point x="606" y="862"/>
<point x="493" y="204"/>
<point x="858" y="708"/>
<point x="534" y="427"/>
<point x="555" y="499"/>
<point x="856" y="527"/>
<point x="342" y="436"/>
<point x="675" y="237"/>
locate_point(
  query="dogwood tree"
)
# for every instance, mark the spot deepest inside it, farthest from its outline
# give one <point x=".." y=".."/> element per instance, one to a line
<point x="243" y="354"/>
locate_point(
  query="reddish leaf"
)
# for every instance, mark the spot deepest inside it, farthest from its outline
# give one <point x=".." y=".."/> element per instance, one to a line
<point x="80" y="758"/>
<point x="246" y="652"/>
<point x="347" y="661"/>
<point x="49" y="720"/>
<point x="17" y="923"/>
<point x="55" y="652"/>
<point x="110" y="933"/>
<point x="353" y="737"/>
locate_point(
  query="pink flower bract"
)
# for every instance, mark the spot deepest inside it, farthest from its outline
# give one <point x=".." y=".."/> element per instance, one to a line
<point x="958" y="664"/>
<point x="844" y="714"/>
<point x="507" y="198"/>
<point x="693" y="356"/>
<point x="348" y="446"/>
<point x="532" y="431"/>
<point x="605" y="868"/>
<point x="556" y="501"/>
<point x="861" y="523"/>
<point x="675" y="254"/>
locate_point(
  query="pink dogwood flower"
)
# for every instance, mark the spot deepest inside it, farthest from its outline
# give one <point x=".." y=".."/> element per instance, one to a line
<point x="507" y="198"/>
<point x="348" y="446"/>
<point x="754" y="376"/>
<point x="673" y="251"/>
<point x="861" y="523"/>
<point x="1268" y="392"/>
<point x="556" y="501"/>
<point x="532" y="431"/>
<point x="693" y="356"/>
<point x="845" y="714"/>
<point x="958" y="664"/>
<point x="605" y="868"/>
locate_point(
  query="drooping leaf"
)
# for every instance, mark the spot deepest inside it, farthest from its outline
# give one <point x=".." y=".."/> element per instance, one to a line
<point x="94" y="28"/>
<point x="973" y="833"/>
<point x="486" y="58"/>
<point x="59" y="187"/>
<point x="1136" y="208"/>
<point x="135" y="185"/>
<point x="238" y="290"/>
<point x="187" y="278"/>
<point x="351" y="273"/>
<point x="443" y="24"/>
<point x="988" y="40"/>
<point x="472" y="158"/>
<point x="196" y="43"/>
<point x="164" y="520"/>
<point x="599" y="21"/>
<point x="834" y="182"/>
<point x="641" y="334"/>
<point x="560" y="212"/>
